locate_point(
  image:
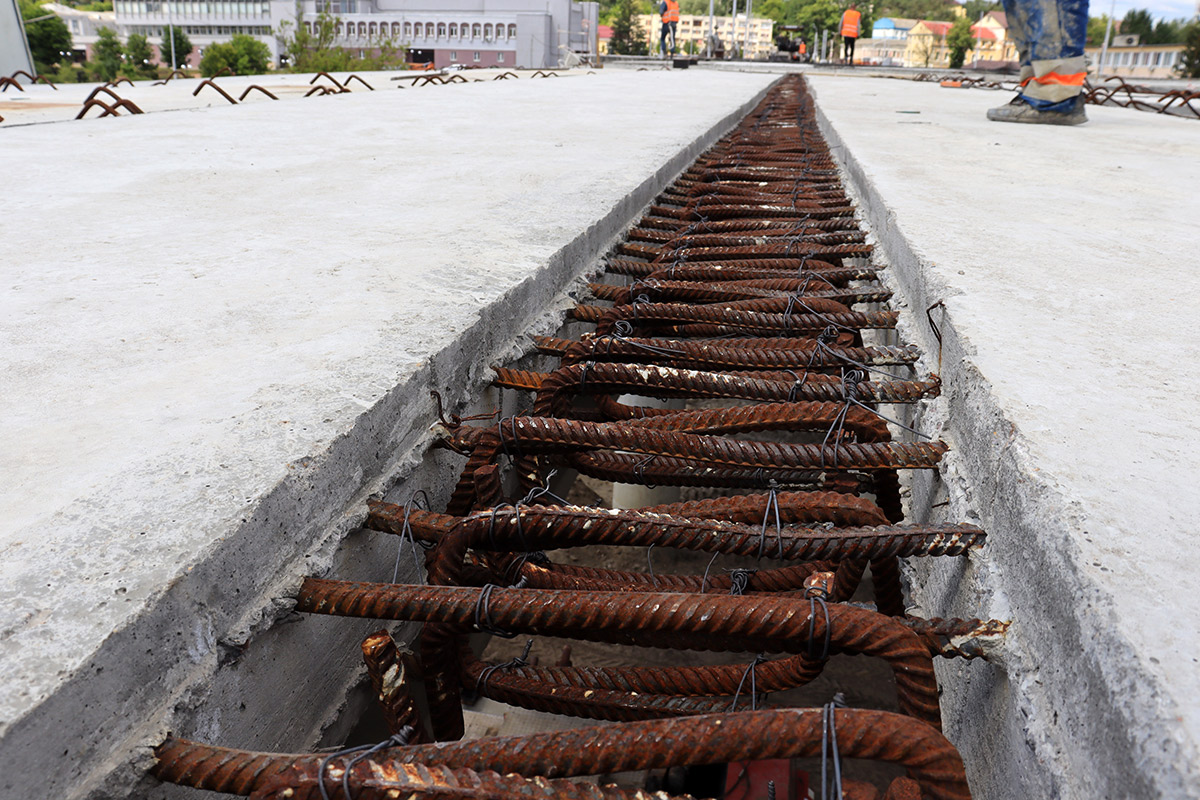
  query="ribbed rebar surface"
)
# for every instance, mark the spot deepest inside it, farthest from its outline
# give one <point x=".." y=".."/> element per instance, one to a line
<point x="742" y="295"/>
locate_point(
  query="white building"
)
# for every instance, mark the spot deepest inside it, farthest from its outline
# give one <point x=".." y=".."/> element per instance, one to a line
<point x="517" y="33"/>
<point x="204" y="23"/>
<point x="84" y="27"/>
<point x="1138" y="60"/>
<point x="693" y="30"/>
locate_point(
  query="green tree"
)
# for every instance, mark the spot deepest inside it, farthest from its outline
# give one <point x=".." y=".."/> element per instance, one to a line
<point x="820" y="15"/>
<point x="771" y="9"/>
<point x="107" y="55"/>
<point x="68" y="73"/>
<point x="1096" y="28"/>
<point x="183" y="46"/>
<point x="938" y="10"/>
<point x="627" y="37"/>
<point x="977" y="8"/>
<point x="1138" y="21"/>
<point x="1189" y="65"/>
<point x="960" y="41"/>
<point x="140" y="54"/>
<point x="315" y="51"/>
<point x="48" y="38"/>
<point x="243" y="54"/>
<point x="1168" y="31"/>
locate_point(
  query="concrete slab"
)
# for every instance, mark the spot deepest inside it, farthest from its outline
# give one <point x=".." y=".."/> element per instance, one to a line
<point x="221" y="327"/>
<point x="37" y="103"/>
<point x="1062" y="256"/>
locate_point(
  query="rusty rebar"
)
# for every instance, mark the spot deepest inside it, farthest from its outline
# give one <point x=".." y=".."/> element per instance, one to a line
<point x="388" y="670"/>
<point x="550" y="434"/>
<point x="757" y="623"/>
<point x="220" y="91"/>
<point x="623" y="747"/>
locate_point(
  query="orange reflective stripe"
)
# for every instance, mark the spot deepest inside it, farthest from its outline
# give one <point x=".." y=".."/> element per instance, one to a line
<point x="1075" y="79"/>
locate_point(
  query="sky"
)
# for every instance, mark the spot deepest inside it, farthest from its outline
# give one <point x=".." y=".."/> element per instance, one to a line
<point x="1159" y="9"/>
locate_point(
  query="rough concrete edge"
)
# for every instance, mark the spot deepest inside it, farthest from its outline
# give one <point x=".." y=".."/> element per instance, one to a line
<point x="305" y="518"/>
<point x="1087" y="715"/>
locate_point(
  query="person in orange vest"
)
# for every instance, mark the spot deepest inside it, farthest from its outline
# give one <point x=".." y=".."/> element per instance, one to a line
<point x="802" y="50"/>
<point x="669" y="9"/>
<point x="850" y="20"/>
<point x="1049" y="35"/>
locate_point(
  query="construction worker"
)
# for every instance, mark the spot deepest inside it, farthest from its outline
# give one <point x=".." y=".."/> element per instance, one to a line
<point x="850" y="21"/>
<point x="802" y="51"/>
<point x="1049" y="35"/>
<point x="669" y="9"/>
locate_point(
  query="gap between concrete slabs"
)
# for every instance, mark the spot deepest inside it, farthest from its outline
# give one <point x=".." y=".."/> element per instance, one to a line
<point x="190" y="659"/>
<point x="1068" y="710"/>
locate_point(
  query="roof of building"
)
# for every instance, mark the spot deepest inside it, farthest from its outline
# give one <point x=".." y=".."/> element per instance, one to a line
<point x="999" y="16"/>
<point x="898" y="23"/>
<point x="67" y="11"/>
<point x="983" y="32"/>
<point x="936" y="27"/>
<point x="604" y="31"/>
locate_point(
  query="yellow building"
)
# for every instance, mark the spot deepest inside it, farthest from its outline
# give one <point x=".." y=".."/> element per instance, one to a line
<point x="992" y="45"/>
<point x="926" y="45"/>
<point x="692" y="33"/>
<point x="1137" y="61"/>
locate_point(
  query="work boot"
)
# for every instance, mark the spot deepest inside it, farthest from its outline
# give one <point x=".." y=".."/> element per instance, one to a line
<point x="1019" y="110"/>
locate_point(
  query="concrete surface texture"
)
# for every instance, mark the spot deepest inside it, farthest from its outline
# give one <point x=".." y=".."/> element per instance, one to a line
<point x="220" y="331"/>
<point x="1062" y="257"/>
<point x="35" y="103"/>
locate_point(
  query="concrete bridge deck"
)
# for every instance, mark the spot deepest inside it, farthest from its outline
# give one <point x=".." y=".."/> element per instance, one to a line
<point x="221" y="326"/>
<point x="1063" y="258"/>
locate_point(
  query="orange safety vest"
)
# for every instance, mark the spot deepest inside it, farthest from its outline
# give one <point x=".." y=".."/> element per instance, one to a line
<point x="850" y="23"/>
<point x="803" y="49"/>
<point x="672" y="12"/>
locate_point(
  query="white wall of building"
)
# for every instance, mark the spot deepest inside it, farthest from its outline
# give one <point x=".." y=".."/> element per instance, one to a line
<point x="529" y="32"/>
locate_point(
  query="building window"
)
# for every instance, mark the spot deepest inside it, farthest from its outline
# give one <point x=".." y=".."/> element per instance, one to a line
<point x="453" y="30"/>
<point x="396" y="30"/>
<point x="512" y="31"/>
<point x="454" y="55"/>
<point x="362" y="29"/>
<point x="487" y="31"/>
<point x="441" y="30"/>
<point x="428" y="30"/>
<point x="408" y="30"/>
<point x="499" y="58"/>
<point x="371" y="29"/>
<point x="476" y="31"/>
<point x="475" y="55"/>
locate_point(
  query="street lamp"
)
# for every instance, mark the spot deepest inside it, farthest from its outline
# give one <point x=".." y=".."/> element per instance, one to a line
<point x="171" y="30"/>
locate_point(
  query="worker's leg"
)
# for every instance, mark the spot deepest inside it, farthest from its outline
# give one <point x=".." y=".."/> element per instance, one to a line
<point x="662" y="39"/>
<point x="674" y="41"/>
<point x="850" y="50"/>
<point x="1049" y="35"/>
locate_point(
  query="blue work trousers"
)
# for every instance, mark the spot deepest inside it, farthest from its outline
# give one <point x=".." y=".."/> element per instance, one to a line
<point x="1049" y="35"/>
